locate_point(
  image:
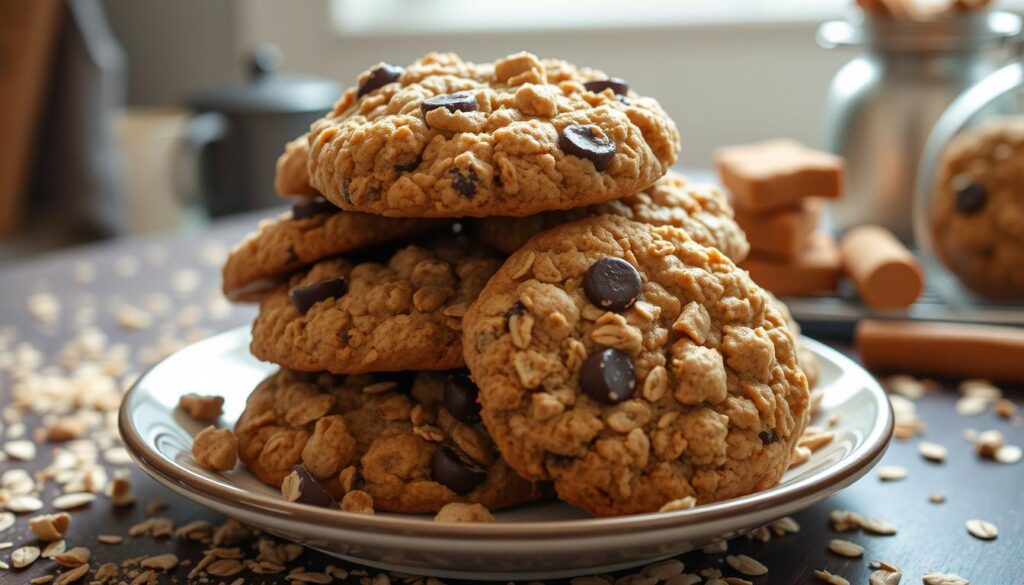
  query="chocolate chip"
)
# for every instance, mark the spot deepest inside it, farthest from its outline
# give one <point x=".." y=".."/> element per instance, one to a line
<point x="300" y="486"/>
<point x="460" y="397"/>
<point x="454" y="102"/>
<point x="380" y="76"/>
<point x="971" y="198"/>
<point x="612" y="284"/>
<point x="464" y="181"/>
<point x="584" y="142"/>
<point x="311" y="207"/>
<point x="451" y="467"/>
<point x="616" y="84"/>
<point x="768" y="437"/>
<point x="608" y="376"/>
<point x="411" y="166"/>
<point x="516" y="309"/>
<point x="305" y="297"/>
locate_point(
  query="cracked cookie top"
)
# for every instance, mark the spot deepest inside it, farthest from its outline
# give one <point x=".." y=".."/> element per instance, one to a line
<point x="314" y="229"/>
<point x="634" y="367"/>
<point x="402" y="314"/>
<point x="396" y="437"/>
<point x="700" y="209"/>
<point x="447" y="138"/>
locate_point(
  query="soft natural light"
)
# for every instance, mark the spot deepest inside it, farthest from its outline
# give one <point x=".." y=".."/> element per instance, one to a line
<point x="356" y="17"/>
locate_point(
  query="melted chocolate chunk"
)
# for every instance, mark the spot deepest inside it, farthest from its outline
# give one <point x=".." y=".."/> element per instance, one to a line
<point x="608" y="376"/>
<point x="380" y="76"/>
<point x="305" y="297"/>
<point x="410" y="166"/>
<point x="971" y="198"/>
<point x="616" y="84"/>
<point x="464" y="181"/>
<point x="300" y="486"/>
<point x="612" y="284"/>
<point x="311" y="207"/>
<point x="453" y="102"/>
<point x="584" y="142"/>
<point x="452" y="468"/>
<point x="768" y="437"/>
<point x="460" y="395"/>
<point x="516" y="309"/>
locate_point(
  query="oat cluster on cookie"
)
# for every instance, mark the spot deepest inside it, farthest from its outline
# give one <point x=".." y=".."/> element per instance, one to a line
<point x="491" y="288"/>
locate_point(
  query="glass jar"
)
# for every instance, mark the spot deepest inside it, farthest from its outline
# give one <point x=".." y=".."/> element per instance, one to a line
<point x="882" y="104"/>
<point x="969" y="204"/>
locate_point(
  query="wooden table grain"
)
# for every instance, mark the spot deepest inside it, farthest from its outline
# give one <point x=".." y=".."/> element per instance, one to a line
<point x="930" y="537"/>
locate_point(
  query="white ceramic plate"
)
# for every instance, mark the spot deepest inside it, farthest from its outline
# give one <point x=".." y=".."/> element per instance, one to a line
<point x="531" y="541"/>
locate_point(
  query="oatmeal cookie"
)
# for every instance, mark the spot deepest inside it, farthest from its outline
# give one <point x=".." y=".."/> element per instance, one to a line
<point x="314" y="229"/>
<point x="403" y="314"/>
<point x="406" y="440"/>
<point x="290" y="175"/>
<point x="447" y="138"/>
<point x="702" y="210"/>
<point x="977" y="214"/>
<point x="634" y="367"/>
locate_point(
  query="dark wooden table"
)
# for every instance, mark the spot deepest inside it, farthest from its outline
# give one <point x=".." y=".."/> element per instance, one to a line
<point x="931" y="537"/>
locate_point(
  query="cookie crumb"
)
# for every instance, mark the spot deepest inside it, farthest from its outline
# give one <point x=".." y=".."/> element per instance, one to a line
<point x="357" y="501"/>
<point x="686" y="503"/>
<point x="202" y="408"/>
<point x="460" y="512"/>
<point x="215" y="449"/>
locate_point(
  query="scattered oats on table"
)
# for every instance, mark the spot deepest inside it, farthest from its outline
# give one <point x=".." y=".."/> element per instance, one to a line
<point x="892" y="473"/>
<point x="982" y="529"/>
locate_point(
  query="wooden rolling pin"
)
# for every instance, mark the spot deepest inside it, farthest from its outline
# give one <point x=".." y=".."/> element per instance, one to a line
<point x="886" y="274"/>
<point x="942" y="349"/>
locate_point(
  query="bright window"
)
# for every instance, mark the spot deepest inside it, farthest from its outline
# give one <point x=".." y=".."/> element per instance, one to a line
<point x="377" y="17"/>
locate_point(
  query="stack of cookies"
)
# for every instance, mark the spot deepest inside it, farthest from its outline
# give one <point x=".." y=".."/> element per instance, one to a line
<point x="490" y="289"/>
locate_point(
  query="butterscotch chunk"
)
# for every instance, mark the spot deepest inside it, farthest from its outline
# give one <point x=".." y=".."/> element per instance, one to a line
<point x="778" y="173"/>
<point x="215" y="449"/>
<point x="459" y="512"/>
<point x="783" y="233"/>
<point x="814" y="270"/>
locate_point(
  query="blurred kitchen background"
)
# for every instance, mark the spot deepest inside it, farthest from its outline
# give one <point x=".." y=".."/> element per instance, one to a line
<point x="132" y="116"/>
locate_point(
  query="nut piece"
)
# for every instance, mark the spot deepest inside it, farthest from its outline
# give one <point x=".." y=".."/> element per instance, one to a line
<point x="216" y="449"/>
<point x="50" y="527"/>
<point x="202" y="408"/>
<point x="357" y="501"/>
<point x="460" y="512"/>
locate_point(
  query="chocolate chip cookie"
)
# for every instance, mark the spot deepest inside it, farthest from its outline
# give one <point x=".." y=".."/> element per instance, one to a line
<point x="353" y="318"/>
<point x="447" y="138"/>
<point x="977" y="213"/>
<point x="702" y="210"/>
<point x="634" y="367"/>
<point x="314" y="229"/>
<point x="412" y="441"/>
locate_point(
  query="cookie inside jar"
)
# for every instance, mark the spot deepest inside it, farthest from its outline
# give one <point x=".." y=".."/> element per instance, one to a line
<point x="976" y="215"/>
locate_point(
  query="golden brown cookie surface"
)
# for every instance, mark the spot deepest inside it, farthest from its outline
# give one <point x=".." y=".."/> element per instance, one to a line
<point x="447" y="138"/>
<point x="634" y="367"/>
<point x="404" y="313"/>
<point x="702" y="210"/>
<point x="389" y="436"/>
<point x="977" y="214"/>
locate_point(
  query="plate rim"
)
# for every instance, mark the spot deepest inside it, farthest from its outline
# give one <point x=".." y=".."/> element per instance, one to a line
<point x="166" y="472"/>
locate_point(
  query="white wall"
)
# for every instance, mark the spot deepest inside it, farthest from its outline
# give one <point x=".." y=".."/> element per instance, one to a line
<point x="721" y="84"/>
